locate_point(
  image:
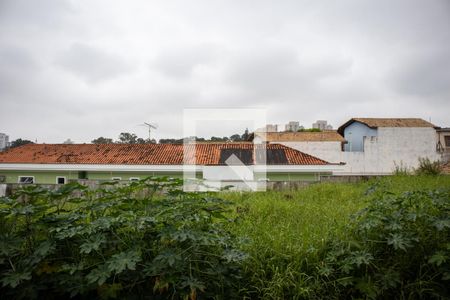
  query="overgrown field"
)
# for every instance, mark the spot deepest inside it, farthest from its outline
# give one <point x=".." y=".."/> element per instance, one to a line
<point x="382" y="239"/>
<point x="323" y="242"/>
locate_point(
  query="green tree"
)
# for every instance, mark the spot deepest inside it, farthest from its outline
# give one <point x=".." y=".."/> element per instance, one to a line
<point x="309" y="130"/>
<point x="246" y="135"/>
<point x="127" y="138"/>
<point x="235" y="138"/>
<point x="19" y="142"/>
<point x="219" y="139"/>
<point x="145" y="141"/>
<point x="102" y="140"/>
<point x="171" y="141"/>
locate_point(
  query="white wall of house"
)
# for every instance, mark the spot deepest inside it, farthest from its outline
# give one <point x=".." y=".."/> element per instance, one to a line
<point x="228" y="173"/>
<point x="329" y="151"/>
<point x="392" y="146"/>
<point x="381" y="153"/>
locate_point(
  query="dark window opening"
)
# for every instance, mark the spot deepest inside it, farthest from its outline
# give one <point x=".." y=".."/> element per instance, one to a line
<point x="276" y="157"/>
<point x="82" y="175"/>
<point x="60" y="180"/>
<point x="447" y="140"/>
<point x="236" y="157"/>
<point x="26" y="179"/>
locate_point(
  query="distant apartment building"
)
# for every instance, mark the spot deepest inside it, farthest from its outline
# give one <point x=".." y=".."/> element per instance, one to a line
<point x="271" y="128"/>
<point x="293" y="126"/>
<point x="4" y="141"/>
<point x="322" y="125"/>
<point x="268" y="128"/>
<point x="68" y="142"/>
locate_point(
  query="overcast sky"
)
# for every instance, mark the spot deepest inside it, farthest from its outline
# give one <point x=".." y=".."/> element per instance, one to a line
<point x="84" y="69"/>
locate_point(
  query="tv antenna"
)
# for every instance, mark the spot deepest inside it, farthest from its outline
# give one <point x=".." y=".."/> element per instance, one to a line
<point x="150" y="127"/>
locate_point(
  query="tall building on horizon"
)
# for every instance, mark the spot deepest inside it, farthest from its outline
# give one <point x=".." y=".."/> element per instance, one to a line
<point x="292" y="126"/>
<point x="322" y="125"/>
<point x="268" y="128"/>
<point x="4" y="141"/>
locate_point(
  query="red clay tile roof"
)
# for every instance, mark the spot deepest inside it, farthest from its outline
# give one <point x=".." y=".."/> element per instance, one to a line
<point x="142" y="154"/>
<point x="388" y="122"/>
<point x="324" y="136"/>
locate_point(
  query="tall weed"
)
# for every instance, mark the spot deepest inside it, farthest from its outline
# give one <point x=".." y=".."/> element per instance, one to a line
<point x="428" y="167"/>
<point x="117" y="241"/>
<point x="398" y="249"/>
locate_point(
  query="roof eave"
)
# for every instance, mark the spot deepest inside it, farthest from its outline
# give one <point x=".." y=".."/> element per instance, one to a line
<point x="341" y="129"/>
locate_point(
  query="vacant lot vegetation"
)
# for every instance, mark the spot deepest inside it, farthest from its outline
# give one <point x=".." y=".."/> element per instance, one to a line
<point x="385" y="238"/>
<point x="292" y="236"/>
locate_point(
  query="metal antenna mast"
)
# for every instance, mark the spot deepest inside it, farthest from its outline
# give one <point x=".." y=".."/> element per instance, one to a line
<point x="150" y="126"/>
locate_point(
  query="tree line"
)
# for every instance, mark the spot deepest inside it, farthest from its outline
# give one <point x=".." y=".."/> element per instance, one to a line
<point x="131" y="138"/>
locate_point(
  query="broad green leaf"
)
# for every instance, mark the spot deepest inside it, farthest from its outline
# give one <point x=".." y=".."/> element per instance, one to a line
<point x="45" y="248"/>
<point x="234" y="255"/>
<point x="93" y="244"/>
<point x="123" y="261"/>
<point x="13" y="279"/>
<point x="9" y="245"/>
<point x="438" y="258"/>
<point x="368" y="288"/>
<point x="399" y="241"/>
<point x="442" y="224"/>
<point x="99" y="275"/>
<point x="361" y="258"/>
<point x="169" y="257"/>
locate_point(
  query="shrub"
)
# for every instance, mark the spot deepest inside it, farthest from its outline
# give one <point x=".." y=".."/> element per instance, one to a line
<point x="399" y="250"/>
<point x="401" y="169"/>
<point x="428" y="167"/>
<point x="116" y="241"/>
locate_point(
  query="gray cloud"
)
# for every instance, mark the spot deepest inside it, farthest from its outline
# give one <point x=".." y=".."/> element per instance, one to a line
<point x="17" y="68"/>
<point x="43" y="13"/>
<point x="84" y="69"/>
<point x="179" y="61"/>
<point x="91" y="64"/>
<point x="426" y="74"/>
<point x="282" y="72"/>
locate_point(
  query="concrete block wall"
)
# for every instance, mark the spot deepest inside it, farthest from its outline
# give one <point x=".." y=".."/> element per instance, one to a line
<point x="391" y="146"/>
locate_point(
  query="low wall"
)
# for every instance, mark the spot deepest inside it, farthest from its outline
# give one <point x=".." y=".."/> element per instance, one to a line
<point x="9" y="188"/>
<point x="3" y="188"/>
<point x="348" y="178"/>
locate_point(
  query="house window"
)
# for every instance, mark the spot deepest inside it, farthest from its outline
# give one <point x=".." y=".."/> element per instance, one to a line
<point x="116" y="178"/>
<point x="26" y="179"/>
<point x="82" y="175"/>
<point x="447" y="140"/>
<point x="134" y="178"/>
<point x="60" y="180"/>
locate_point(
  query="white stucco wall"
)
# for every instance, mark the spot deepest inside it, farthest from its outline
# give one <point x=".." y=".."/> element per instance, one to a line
<point x="392" y="145"/>
<point x="228" y="173"/>
<point x="329" y="151"/>
<point x="3" y="190"/>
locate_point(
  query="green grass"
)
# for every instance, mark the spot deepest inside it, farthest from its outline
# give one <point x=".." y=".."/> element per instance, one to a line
<point x="283" y="231"/>
<point x="386" y="238"/>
